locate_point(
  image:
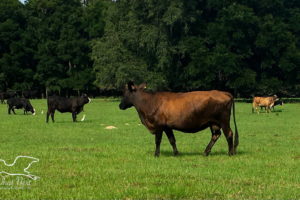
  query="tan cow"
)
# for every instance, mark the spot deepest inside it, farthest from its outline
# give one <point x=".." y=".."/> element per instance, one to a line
<point x="267" y="102"/>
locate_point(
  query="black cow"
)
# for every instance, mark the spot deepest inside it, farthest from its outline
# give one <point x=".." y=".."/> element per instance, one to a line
<point x="63" y="104"/>
<point x="279" y="102"/>
<point x="18" y="103"/>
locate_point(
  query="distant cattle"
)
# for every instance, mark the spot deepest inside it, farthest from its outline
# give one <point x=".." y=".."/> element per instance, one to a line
<point x="187" y="112"/>
<point x="267" y="102"/>
<point x="19" y="103"/>
<point x="63" y="104"/>
<point x="279" y="102"/>
<point x="7" y="95"/>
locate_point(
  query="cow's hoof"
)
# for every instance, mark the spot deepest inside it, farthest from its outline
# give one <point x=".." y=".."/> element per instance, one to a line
<point x="156" y="155"/>
<point x="231" y="153"/>
<point x="206" y="153"/>
<point x="176" y="153"/>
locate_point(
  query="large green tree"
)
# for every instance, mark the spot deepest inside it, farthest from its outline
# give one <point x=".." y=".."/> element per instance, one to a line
<point x="244" y="46"/>
<point x="62" y="51"/>
<point x="12" y="25"/>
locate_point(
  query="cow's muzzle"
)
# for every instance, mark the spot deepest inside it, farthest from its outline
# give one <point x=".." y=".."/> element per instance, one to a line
<point x="122" y="106"/>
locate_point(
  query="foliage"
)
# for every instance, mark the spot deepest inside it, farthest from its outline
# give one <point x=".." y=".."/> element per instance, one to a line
<point x="246" y="47"/>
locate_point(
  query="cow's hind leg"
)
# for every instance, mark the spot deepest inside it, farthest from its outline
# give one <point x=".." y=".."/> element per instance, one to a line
<point x="50" y="112"/>
<point x="172" y="140"/>
<point x="158" y="136"/>
<point x="74" y="116"/>
<point x="215" y="134"/>
<point x="229" y="137"/>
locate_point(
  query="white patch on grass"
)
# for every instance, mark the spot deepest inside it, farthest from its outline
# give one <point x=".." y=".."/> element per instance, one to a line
<point x="126" y="124"/>
<point x="42" y="112"/>
<point x="110" y="127"/>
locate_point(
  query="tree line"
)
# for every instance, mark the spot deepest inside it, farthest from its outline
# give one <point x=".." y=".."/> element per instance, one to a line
<point x="247" y="47"/>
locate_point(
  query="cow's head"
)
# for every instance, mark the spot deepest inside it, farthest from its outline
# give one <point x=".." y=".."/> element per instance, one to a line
<point x="85" y="98"/>
<point x="29" y="108"/>
<point x="275" y="97"/>
<point x="129" y="94"/>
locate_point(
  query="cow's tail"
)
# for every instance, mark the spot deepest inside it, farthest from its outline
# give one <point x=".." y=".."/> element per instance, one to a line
<point x="236" y="135"/>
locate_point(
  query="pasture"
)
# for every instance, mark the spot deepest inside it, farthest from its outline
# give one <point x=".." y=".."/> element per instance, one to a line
<point x="86" y="161"/>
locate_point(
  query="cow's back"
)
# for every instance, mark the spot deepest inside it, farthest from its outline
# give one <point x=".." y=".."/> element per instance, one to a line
<point x="263" y="101"/>
<point x="61" y="104"/>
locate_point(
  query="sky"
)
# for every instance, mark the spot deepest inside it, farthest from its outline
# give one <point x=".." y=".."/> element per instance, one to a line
<point x="22" y="1"/>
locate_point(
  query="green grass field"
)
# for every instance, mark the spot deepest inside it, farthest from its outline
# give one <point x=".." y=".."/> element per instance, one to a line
<point x="85" y="161"/>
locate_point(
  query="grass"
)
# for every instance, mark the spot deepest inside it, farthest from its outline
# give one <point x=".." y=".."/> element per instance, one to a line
<point x="85" y="161"/>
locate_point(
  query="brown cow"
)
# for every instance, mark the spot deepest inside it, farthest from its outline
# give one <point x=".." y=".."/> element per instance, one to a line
<point x="267" y="102"/>
<point x="187" y="112"/>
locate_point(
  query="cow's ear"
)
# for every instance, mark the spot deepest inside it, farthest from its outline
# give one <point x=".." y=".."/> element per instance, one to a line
<point x="143" y="86"/>
<point x="131" y="87"/>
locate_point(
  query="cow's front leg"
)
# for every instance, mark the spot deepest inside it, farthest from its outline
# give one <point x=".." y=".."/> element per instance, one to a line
<point x="74" y="116"/>
<point x="13" y="110"/>
<point x="172" y="140"/>
<point x="158" y="136"/>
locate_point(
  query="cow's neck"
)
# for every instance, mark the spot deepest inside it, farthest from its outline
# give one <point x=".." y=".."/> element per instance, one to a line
<point x="145" y="103"/>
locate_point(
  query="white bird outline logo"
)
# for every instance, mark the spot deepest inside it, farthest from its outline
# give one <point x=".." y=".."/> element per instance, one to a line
<point x="26" y="172"/>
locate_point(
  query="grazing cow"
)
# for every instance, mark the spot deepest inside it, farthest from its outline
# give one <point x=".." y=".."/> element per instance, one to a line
<point x="188" y="112"/>
<point x="276" y="103"/>
<point x="63" y="104"/>
<point x="267" y="102"/>
<point x="18" y="103"/>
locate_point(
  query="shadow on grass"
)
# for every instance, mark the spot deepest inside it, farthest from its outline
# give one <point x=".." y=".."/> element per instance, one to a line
<point x="198" y="153"/>
<point x="265" y="112"/>
<point x="71" y="122"/>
